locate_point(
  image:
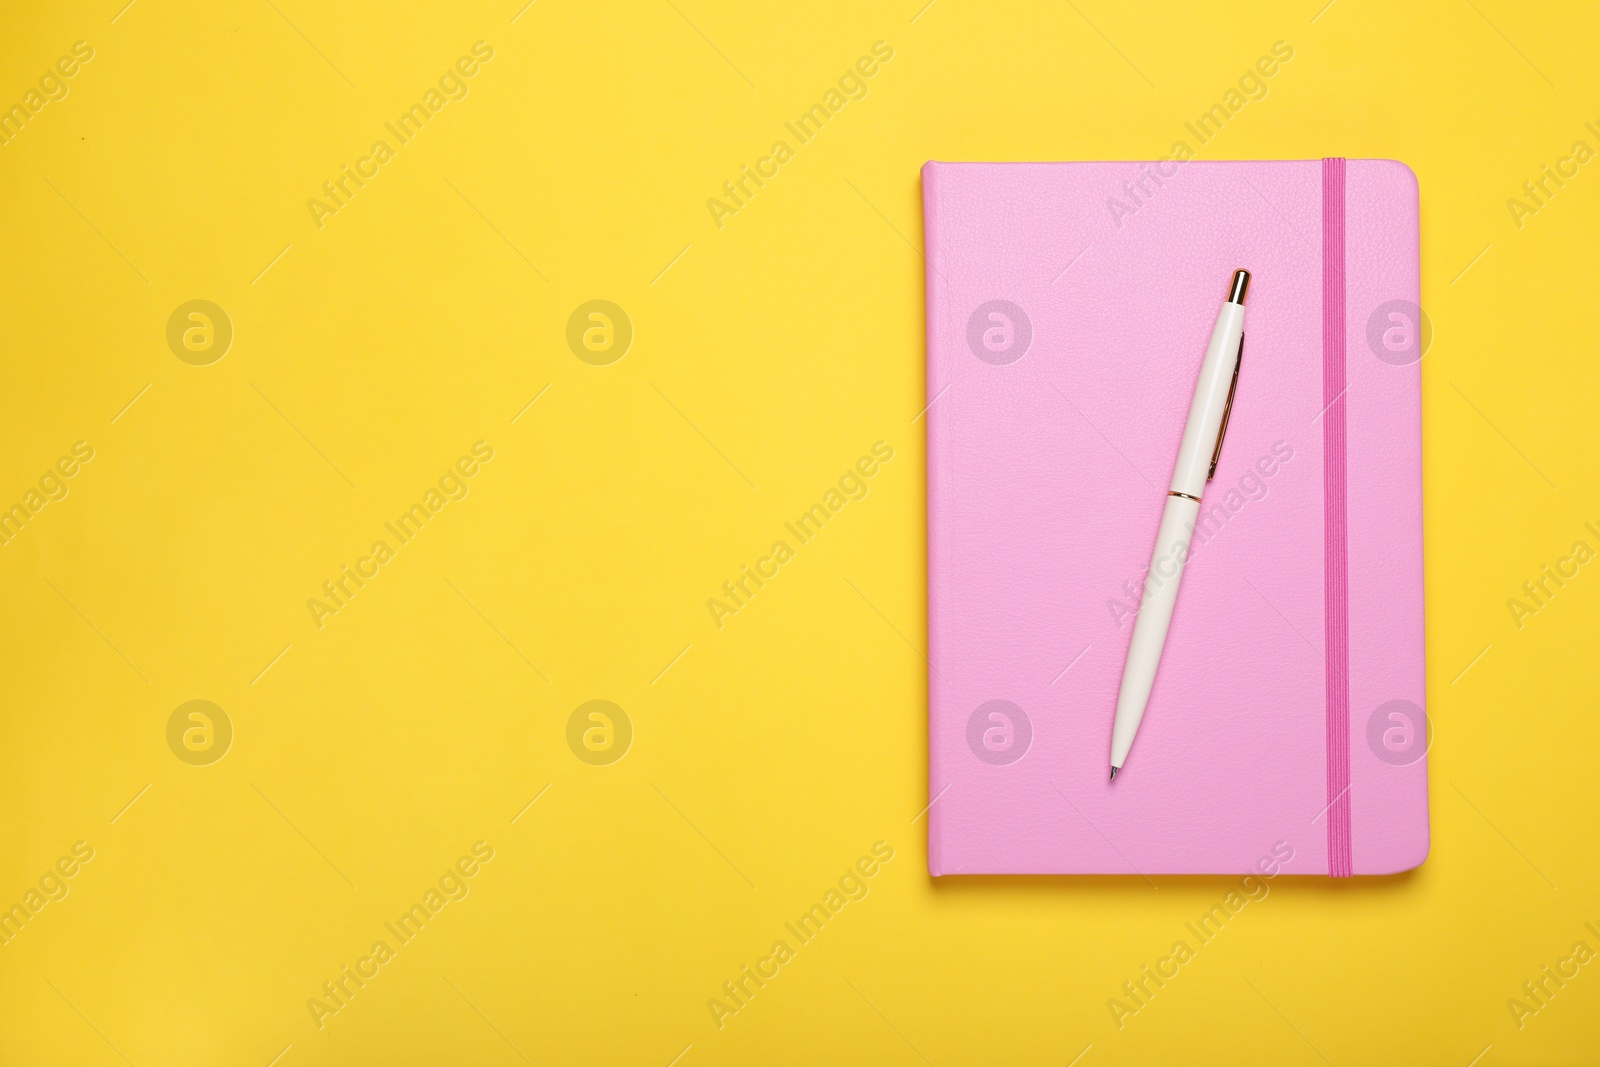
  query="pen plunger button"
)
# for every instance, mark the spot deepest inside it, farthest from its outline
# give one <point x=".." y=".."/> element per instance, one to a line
<point x="1241" y="282"/>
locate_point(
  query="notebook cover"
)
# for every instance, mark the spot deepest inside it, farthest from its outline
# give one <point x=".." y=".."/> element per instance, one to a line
<point x="1052" y="433"/>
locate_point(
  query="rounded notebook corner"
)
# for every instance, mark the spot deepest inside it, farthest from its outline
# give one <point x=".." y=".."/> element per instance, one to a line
<point x="1413" y="857"/>
<point x="1406" y="169"/>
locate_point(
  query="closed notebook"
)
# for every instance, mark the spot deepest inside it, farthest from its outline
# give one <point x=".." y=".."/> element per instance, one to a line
<point x="1068" y="307"/>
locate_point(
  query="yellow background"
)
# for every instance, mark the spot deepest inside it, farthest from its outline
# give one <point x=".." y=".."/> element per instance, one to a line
<point x="767" y="357"/>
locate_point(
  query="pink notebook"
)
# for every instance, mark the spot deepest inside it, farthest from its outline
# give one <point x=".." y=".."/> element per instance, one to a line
<point x="1069" y="305"/>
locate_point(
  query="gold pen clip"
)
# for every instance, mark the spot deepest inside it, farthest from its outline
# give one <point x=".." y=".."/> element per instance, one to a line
<point x="1227" y="409"/>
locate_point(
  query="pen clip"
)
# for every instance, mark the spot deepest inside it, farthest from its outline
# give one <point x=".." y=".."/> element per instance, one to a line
<point x="1227" y="409"/>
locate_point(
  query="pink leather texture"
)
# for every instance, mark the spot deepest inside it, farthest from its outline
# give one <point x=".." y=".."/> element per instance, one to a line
<point x="1068" y="306"/>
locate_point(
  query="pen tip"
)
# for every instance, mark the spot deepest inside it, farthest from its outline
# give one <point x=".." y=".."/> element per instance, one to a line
<point x="1114" y="771"/>
<point x="1236" y="289"/>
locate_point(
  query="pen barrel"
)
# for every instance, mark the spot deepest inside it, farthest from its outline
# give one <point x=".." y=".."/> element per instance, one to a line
<point x="1155" y="616"/>
<point x="1210" y="399"/>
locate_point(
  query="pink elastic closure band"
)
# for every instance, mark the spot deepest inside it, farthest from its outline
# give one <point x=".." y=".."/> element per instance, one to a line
<point x="1336" y="562"/>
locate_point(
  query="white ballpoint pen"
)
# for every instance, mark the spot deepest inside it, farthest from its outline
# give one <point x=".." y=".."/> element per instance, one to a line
<point x="1197" y="462"/>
